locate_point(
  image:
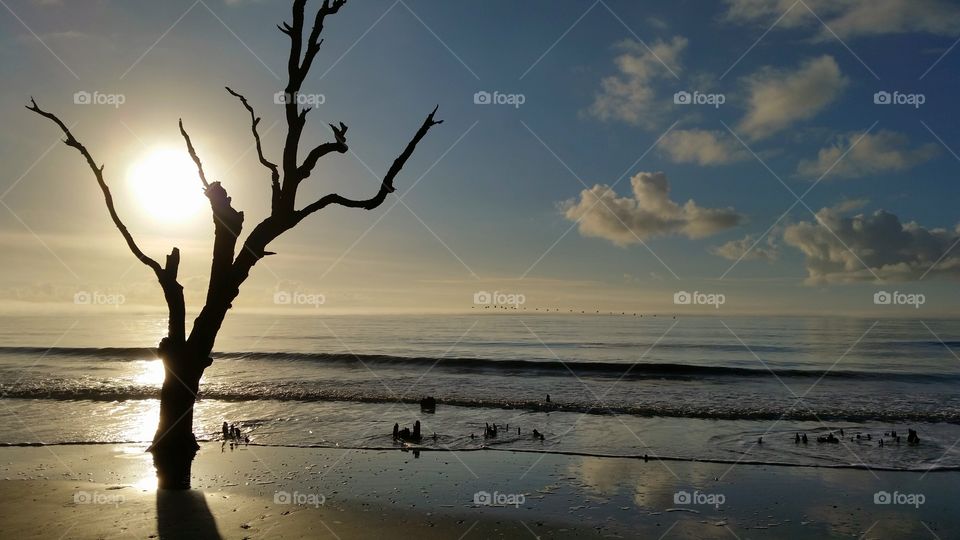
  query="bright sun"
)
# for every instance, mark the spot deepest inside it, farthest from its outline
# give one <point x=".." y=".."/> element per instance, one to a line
<point x="166" y="185"/>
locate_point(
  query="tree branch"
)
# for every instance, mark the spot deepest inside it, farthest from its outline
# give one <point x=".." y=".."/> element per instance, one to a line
<point x="194" y="156"/>
<point x="227" y="223"/>
<point x="386" y="186"/>
<point x="339" y="145"/>
<point x="297" y="70"/>
<point x="98" y="173"/>
<point x="167" y="276"/>
<point x="274" y="172"/>
<point x="313" y="43"/>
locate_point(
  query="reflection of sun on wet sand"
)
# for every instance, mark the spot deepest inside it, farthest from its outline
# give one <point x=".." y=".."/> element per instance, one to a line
<point x="279" y="492"/>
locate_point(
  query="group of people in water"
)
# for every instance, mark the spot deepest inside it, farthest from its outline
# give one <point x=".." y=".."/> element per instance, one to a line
<point x="831" y="437"/>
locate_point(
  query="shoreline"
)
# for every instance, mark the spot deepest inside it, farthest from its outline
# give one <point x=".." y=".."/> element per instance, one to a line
<point x="89" y="491"/>
<point x="570" y="453"/>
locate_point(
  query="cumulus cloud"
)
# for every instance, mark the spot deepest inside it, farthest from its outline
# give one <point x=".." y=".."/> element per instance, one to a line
<point x="629" y="96"/>
<point x="892" y="250"/>
<point x="867" y="154"/>
<point x="852" y="18"/>
<point x="749" y="249"/>
<point x="778" y="98"/>
<point x="702" y="146"/>
<point x="646" y="213"/>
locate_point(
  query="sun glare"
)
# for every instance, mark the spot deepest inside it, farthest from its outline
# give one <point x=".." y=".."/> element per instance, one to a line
<point x="150" y="372"/>
<point x="166" y="185"/>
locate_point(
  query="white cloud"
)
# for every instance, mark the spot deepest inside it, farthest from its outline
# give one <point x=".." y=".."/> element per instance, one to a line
<point x="748" y="248"/>
<point x="871" y="154"/>
<point x="702" y="146"/>
<point x="892" y="250"/>
<point x="629" y="96"/>
<point x="779" y="98"/>
<point x="852" y="18"/>
<point x="648" y="212"/>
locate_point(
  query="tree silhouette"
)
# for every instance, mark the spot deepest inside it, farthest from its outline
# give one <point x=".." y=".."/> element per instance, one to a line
<point x="185" y="357"/>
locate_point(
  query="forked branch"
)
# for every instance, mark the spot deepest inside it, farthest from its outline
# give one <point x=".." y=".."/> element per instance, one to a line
<point x="386" y="186"/>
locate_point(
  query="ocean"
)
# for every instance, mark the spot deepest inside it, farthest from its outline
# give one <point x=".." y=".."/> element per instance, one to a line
<point x="687" y="388"/>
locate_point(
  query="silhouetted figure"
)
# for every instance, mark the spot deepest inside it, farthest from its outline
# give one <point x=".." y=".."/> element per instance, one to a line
<point x="804" y="438"/>
<point x="226" y="431"/>
<point x="828" y="438"/>
<point x="518" y="432"/>
<point x="881" y="443"/>
<point x="548" y="398"/>
<point x="396" y="431"/>
<point x="841" y="432"/>
<point x="796" y="439"/>
<point x="912" y="437"/>
<point x="416" y="430"/>
<point x="760" y="440"/>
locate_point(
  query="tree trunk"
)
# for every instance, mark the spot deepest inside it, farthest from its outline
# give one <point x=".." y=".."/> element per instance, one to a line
<point x="174" y="444"/>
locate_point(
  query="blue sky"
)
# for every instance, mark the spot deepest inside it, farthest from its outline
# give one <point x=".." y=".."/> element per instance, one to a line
<point x="577" y="199"/>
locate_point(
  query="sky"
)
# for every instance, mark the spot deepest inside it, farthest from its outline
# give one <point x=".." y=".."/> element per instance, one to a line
<point x="745" y="156"/>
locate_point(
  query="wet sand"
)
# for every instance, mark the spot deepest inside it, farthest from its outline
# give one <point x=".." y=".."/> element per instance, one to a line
<point x="102" y="491"/>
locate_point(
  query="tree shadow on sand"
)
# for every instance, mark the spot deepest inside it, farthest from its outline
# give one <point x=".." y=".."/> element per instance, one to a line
<point x="184" y="514"/>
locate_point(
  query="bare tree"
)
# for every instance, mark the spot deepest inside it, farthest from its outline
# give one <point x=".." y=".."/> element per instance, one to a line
<point x="185" y="357"/>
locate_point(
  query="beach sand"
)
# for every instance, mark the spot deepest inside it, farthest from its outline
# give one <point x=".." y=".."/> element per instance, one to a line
<point x="108" y="491"/>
